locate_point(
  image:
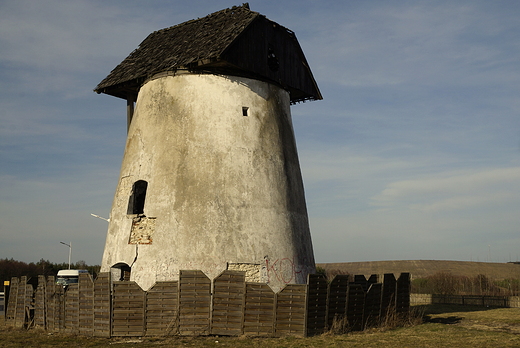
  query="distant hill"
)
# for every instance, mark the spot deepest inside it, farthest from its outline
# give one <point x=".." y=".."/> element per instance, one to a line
<point x="424" y="268"/>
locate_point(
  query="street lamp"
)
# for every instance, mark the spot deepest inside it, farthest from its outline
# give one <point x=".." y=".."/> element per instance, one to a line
<point x="100" y="217"/>
<point x="70" y="249"/>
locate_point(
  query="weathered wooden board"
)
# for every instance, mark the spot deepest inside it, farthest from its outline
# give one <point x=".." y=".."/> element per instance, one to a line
<point x="388" y="297"/>
<point x="194" y="303"/>
<point x="259" y="310"/>
<point x="291" y="311"/>
<point x="162" y="309"/>
<point x="102" y="305"/>
<point x="55" y="305"/>
<point x="316" y="304"/>
<point x="403" y="293"/>
<point x="355" y="306"/>
<point x="11" y="303"/>
<point x="128" y="309"/>
<point x="72" y="308"/>
<point x="372" y="311"/>
<point x="337" y="299"/>
<point x="21" y="301"/>
<point x="86" y="305"/>
<point x="40" y="303"/>
<point x="228" y="303"/>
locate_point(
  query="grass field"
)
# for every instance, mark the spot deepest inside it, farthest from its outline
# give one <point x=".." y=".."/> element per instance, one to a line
<point x="442" y="326"/>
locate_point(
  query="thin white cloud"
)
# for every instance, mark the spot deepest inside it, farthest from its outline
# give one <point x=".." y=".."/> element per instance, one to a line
<point x="456" y="191"/>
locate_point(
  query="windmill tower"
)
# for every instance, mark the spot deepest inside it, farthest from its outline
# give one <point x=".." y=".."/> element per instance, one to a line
<point x="210" y="178"/>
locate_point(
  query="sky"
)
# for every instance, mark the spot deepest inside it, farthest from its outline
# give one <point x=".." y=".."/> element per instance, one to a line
<point x="414" y="152"/>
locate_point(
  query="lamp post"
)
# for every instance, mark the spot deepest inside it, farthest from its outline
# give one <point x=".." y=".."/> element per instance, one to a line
<point x="70" y="249"/>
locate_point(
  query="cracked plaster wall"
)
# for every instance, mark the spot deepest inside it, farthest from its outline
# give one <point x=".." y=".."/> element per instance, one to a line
<point x="223" y="188"/>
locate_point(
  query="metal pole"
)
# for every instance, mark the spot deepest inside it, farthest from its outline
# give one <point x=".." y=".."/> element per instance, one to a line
<point x="70" y="249"/>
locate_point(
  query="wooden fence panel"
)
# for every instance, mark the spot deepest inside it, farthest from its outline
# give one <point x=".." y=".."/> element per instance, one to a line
<point x="162" y="309"/>
<point x="29" y="306"/>
<point x="337" y="300"/>
<point x="40" y="303"/>
<point x="55" y="305"/>
<point x="128" y="309"/>
<point x="372" y="311"/>
<point x="228" y="303"/>
<point x="86" y="305"/>
<point x="317" y="292"/>
<point x="191" y="307"/>
<point x="355" y="306"/>
<point x="102" y="305"/>
<point x="194" y="303"/>
<point x="388" y="296"/>
<point x="291" y="310"/>
<point x="403" y="293"/>
<point x="472" y="300"/>
<point x="259" y="310"/>
<point x="72" y="308"/>
<point x="21" y="302"/>
<point x="11" y="303"/>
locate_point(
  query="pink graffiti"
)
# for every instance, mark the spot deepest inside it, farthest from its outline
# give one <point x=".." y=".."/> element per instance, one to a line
<point x="284" y="270"/>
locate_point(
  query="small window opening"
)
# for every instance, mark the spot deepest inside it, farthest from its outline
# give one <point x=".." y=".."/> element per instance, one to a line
<point x="121" y="272"/>
<point x="137" y="198"/>
<point x="245" y="111"/>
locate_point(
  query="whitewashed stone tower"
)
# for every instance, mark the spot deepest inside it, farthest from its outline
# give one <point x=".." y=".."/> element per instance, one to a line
<point x="210" y="178"/>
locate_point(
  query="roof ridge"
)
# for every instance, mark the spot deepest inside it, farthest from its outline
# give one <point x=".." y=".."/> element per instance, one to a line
<point x="244" y="6"/>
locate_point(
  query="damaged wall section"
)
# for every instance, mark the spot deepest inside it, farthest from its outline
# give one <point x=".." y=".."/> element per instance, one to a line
<point x="253" y="271"/>
<point x="142" y="230"/>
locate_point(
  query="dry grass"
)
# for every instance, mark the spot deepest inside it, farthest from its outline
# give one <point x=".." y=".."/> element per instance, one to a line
<point x="445" y="326"/>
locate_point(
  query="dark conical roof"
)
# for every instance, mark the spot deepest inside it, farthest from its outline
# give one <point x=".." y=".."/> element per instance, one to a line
<point x="215" y="43"/>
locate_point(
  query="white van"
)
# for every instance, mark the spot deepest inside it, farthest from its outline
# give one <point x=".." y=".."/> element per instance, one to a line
<point x="69" y="276"/>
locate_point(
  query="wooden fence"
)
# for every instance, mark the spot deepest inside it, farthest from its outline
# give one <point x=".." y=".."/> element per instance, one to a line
<point x="195" y="305"/>
<point x="467" y="300"/>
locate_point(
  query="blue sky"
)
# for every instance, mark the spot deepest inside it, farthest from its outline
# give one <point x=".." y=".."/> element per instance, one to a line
<point x="414" y="153"/>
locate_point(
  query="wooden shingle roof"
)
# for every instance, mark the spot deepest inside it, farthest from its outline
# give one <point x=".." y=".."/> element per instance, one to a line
<point x="213" y="44"/>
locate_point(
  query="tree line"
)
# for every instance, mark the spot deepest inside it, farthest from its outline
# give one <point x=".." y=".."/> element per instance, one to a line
<point x="11" y="268"/>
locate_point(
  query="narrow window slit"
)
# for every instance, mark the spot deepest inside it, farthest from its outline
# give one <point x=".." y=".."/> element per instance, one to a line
<point x="137" y="198"/>
<point x="245" y="111"/>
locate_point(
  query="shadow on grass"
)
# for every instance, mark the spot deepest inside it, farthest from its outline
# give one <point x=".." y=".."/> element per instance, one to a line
<point x="438" y="309"/>
<point x="442" y="320"/>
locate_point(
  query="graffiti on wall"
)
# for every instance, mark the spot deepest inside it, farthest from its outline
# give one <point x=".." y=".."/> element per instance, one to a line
<point x="286" y="270"/>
